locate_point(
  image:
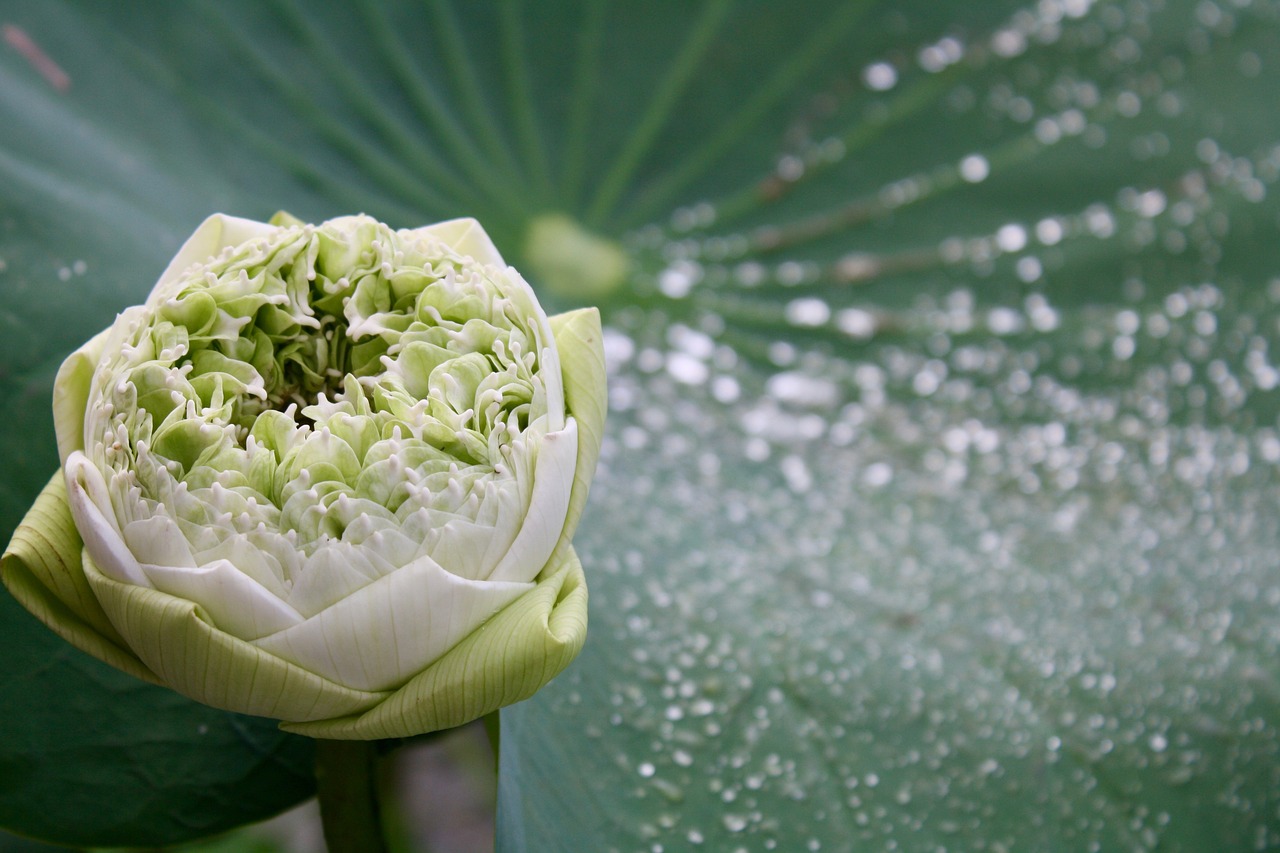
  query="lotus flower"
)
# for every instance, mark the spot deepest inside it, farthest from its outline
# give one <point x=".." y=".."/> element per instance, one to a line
<point x="327" y="474"/>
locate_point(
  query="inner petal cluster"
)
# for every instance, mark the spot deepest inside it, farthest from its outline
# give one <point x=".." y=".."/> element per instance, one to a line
<point x="321" y="407"/>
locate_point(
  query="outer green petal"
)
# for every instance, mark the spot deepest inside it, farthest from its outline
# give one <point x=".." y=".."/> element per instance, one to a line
<point x="580" y="342"/>
<point x="176" y="641"/>
<point x="42" y="569"/>
<point x="506" y="660"/>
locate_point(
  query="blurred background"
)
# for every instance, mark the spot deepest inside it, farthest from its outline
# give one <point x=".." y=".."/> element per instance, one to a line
<point x="937" y="506"/>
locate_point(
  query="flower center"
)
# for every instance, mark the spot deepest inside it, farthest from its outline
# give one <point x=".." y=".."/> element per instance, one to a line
<point x="314" y="369"/>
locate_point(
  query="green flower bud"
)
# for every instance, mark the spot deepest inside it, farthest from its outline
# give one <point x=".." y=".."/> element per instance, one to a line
<point x="327" y="474"/>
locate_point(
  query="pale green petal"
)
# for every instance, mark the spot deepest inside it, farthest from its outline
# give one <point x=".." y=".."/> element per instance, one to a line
<point x="380" y="635"/>
<point x="235" y="602"/>
<point x="471" y="549"/>
<point x="284" y="219"/>
<point x="507" y="660"/>
<point x="544" y="518"/>
<point x="158" y="540"/>
<point x="328" y="576"/>
<point x="42" y="570"/>
<point x="212" y="236"/>
<point x="91" y="508"/>
<point x="267" y="559"/>
<point x="175" y="640"/>
<point x="71" y="394"/>
<point x="466" y="237"/>
<point x="580" y="341"/>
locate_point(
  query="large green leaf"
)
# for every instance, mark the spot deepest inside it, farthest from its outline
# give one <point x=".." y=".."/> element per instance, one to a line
<point x="93" y="756"/>
<point x="937" y="509"/>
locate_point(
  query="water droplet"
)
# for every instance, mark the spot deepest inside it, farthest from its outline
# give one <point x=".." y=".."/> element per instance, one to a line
<point x="975" y="168"/>
<point x="880" y="76"/>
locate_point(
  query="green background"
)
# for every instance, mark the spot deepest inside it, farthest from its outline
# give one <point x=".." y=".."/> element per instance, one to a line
<point x="937" y="507"/>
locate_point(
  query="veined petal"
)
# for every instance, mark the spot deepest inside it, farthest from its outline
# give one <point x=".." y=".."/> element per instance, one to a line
<point x="176" y="642"/>
<point x="581" y="344"/>
<point x="379" y="636"/>
<point x="42" y="569"/>
<point x="519" y="650"/>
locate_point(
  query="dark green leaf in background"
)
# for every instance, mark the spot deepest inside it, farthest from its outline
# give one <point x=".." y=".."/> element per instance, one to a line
<point x="938" y="504"/>
<point x="95" y="757"/>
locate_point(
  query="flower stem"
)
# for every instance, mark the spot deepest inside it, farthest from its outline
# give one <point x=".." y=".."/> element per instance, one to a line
<point x="493" y="728"/>
<point x="347" y="784"/>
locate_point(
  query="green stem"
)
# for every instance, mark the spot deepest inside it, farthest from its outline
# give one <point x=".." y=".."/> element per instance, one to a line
<point x="347" y="784"/>
<point x="493" y="728"/>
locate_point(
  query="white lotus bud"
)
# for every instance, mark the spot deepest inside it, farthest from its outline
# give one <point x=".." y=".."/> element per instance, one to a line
<point x="328" y="474"/>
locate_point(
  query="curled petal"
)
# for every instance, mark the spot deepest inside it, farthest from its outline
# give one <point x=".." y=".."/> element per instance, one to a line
<point x="42" y="569"/>
<point x="91" y="508"/>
